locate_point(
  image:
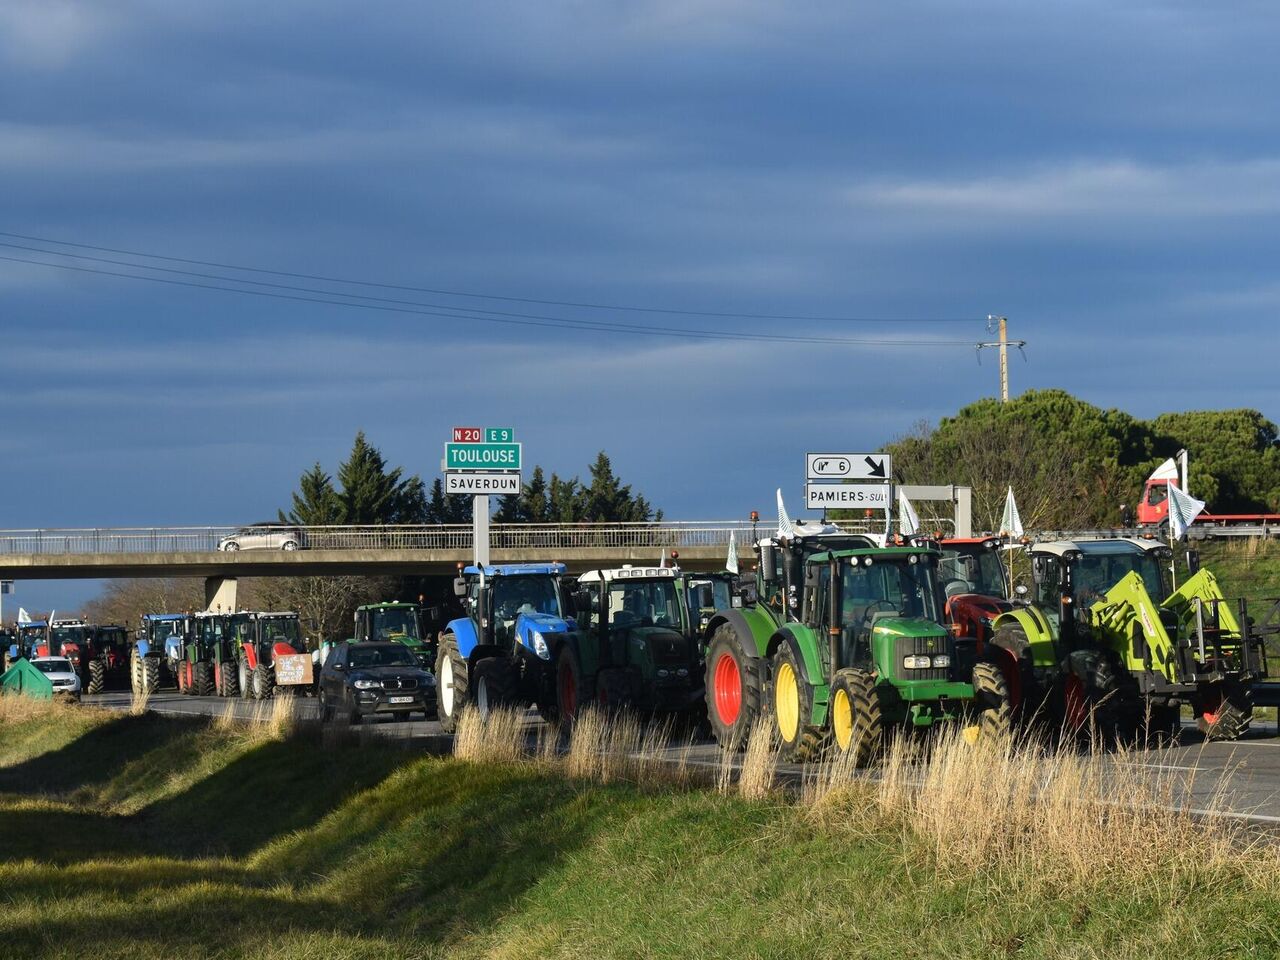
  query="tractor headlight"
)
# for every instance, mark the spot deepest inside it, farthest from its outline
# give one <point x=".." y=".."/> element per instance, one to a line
<point x="942" y="661"/>
<point x="663" y="674"/>
<point x="916" y="663"/>
<point x="367" y="684"/>
<point x="540" y="645"/>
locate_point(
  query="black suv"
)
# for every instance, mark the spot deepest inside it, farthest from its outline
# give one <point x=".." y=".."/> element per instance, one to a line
<point x="365" y="678"/>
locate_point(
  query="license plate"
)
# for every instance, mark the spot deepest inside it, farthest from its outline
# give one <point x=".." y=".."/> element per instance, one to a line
<point x="399" y="699"/>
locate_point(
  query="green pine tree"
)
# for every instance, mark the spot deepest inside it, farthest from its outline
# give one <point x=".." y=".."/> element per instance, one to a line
<point x="316" y="502"/>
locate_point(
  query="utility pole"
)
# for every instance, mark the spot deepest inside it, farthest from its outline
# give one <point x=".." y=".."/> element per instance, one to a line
<point x="1004" y="343"/>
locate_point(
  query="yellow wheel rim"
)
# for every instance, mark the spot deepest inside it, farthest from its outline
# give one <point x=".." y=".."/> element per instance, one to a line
<point x="842" y="719"/>
<point x="786" y="698"/>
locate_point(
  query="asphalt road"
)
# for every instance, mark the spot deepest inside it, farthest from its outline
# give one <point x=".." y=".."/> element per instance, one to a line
<point x="1240" y="779"/>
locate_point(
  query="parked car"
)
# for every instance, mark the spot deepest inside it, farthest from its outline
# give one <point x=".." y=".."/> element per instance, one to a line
<point x="62" y="674"/>
<point x="267" y="535"/>
<point x="368" y="678"/>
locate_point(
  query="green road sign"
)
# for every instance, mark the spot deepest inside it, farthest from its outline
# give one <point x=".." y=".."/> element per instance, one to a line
<point x="499" y="435"/>
<point x="482" y="456"/>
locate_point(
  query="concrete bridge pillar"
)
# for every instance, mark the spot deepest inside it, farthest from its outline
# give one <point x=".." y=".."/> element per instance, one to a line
<point x="220" y="593"/>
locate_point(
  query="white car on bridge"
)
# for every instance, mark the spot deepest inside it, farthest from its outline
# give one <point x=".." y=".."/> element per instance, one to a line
<point x="263" y="536"/>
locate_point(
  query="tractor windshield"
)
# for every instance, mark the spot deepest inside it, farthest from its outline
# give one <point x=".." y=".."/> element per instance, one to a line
<point x="972" y="571"/>
<point x="513" y="596"/>
<point x="281" y="630"/>
<point x="1094" y="574"/>
<point x="74" y="634"/>
<point x="110" y="637"/>
<point x="871" y="585"/>
<point x="395" y="623"/>
<point x="162" y="630"/>
<point x="644" y="603"/>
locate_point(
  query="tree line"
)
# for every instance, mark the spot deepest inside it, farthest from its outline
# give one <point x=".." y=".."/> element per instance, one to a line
<point x="1072" y="464"/>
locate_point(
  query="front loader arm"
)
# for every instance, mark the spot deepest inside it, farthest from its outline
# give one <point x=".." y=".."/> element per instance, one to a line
<point x="1128" y="621"/>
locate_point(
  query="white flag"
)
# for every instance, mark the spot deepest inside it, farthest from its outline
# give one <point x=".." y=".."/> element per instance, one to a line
<point x="23" y="616"/>
<point x="1010" y="522"/>
<point x="785" y="528"/>
<point x="731" y="562"/>
<point x="908" y="522"/>
<point x="1166" y="471"/>
<point x="1183" y="510"/>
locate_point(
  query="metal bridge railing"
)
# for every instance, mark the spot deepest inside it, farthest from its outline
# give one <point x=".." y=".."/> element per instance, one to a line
<point x="669" y="535"/>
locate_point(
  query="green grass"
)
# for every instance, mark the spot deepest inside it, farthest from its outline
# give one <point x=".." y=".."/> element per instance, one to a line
<point x="161" y="837"/>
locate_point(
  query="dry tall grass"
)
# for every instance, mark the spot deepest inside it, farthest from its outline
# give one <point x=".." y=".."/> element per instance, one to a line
<point x="498" y="739"/>
<point x="1061" y="815"/>
<point x="139" y="701"/>
<point x="17" y="708"/>
<point x="759" y="774"/>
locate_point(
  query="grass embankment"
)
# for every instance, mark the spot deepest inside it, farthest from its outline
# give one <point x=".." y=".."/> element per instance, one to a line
<point x="150" y="837"/>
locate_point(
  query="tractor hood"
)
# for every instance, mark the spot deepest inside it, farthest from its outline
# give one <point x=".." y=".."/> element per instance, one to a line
<point x="661" y="645"/>
<point x="903" y="627"/>
<point x="534" y="630"/>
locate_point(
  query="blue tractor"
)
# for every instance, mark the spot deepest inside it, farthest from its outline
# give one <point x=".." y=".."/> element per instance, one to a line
<point x="516" y="637"/>
<point x="158" y="650"/>
<point x="31" y="634"/>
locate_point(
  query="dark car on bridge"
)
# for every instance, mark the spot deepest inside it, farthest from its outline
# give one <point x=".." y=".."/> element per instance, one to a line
<point x="368" y="678"/>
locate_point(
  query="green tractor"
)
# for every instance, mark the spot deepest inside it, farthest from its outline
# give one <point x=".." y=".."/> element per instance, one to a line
<point x="1093" y="649"/>
<point x="397" y="621"/>
<point x="845" y="641"/>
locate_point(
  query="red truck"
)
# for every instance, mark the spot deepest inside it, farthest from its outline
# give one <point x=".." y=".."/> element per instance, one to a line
<point x="1153" y="508"/>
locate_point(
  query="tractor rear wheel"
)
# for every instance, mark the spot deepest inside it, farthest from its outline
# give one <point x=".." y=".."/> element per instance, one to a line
<point x="494" y="686"/>
<point x="451" y="683"/>
<point x="264" y="682"/>
<point x="245" y="680"/>
<point x="97" y="677"/>
<point x="204" y="680"/>
<point x="1011" y="651"/>
<point x="1224" y="712"/>
<point x="183" y="687"/>
<point x="991" y="697"/>
<point x="227" y="679"/>
<point x="735" y="688"/>
<point x="791" y="705"/>
<point x="857" y="725"/>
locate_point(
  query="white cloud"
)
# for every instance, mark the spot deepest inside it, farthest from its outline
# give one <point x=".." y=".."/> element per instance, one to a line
<point x="1088" y="188"/>
<point x="49" y="33"/>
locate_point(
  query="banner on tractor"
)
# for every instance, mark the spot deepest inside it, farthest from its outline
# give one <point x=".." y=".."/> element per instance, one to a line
<point x="293" y="670"/>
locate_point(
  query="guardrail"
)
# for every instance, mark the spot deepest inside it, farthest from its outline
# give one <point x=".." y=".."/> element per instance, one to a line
<point x="669" y="535"/>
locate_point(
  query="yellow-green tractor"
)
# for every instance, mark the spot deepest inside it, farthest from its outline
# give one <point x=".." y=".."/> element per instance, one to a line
<point x="1093" y="651"/>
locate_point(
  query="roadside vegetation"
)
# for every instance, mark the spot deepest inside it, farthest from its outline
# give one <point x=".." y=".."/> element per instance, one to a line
<point x="147" y="836"/>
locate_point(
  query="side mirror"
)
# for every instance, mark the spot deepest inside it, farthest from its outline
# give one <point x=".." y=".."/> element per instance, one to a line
<point x="460" y="587"/>
<point x="433" y="614"/>
<point x="582" y="601"/>
<point x="736" y="600"/>
<point x="1193" y="562"/>
<point x="1037" y="569"/>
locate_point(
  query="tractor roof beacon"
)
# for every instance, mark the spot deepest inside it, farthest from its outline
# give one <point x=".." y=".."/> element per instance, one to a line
<point x="501" y="652"/>
<point x="847" y="638"/>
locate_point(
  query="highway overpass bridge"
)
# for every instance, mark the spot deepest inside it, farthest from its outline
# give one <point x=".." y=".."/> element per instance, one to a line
<point x="49" y="554"/>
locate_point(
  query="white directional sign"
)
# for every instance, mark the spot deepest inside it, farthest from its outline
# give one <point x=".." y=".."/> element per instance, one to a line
<point x="482" y="484"/>
<point x="847" y="466"/>
<point x="846" y="496"/>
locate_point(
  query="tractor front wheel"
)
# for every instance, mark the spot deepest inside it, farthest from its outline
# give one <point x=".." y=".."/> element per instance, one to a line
<point x="204" y="679"/>
<point x="227" y="679"/>
<point x="245" y="678"/>
<point x="735" y="688"/>
<point x="570" y="694"/>
<point x="791" y="704"/>
<point x="150" y="672"/>
<point x="97" y="677"/>
<point x="991" y="696"/>
<point x="857" y="724"/>
<point x="1088" y="698"/>
<point x="494" y="685"/>
<point x="264" y="682"/>
<point x="1224" y="712"/>
<point x="451" y="683"/>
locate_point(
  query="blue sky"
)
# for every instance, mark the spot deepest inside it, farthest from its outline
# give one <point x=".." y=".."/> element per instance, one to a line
<point x="1108" y="176"/>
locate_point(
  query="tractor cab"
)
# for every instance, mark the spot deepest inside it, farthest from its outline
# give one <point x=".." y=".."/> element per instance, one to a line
<point x="510" y="603"/>
<point x="109" y="644"/>
<point x="706" y="593"/>
<point x="32" y="635"/>
<point x="780" y="572"/>
<point x="275" y="631"/>
<point x="975" y="584"/>
<point x="399" y="622"/>
<point x="635" y="626"/>
<point x="70" y="639"/>
<point x="1071" y="576"/>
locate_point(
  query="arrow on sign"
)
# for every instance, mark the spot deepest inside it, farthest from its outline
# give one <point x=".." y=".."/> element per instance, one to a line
<point x="876" y="466"/>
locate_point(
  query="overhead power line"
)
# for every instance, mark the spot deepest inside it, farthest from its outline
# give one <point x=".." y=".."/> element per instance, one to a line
<point x="727" y="315"/>
<point x="327" y="297"/>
